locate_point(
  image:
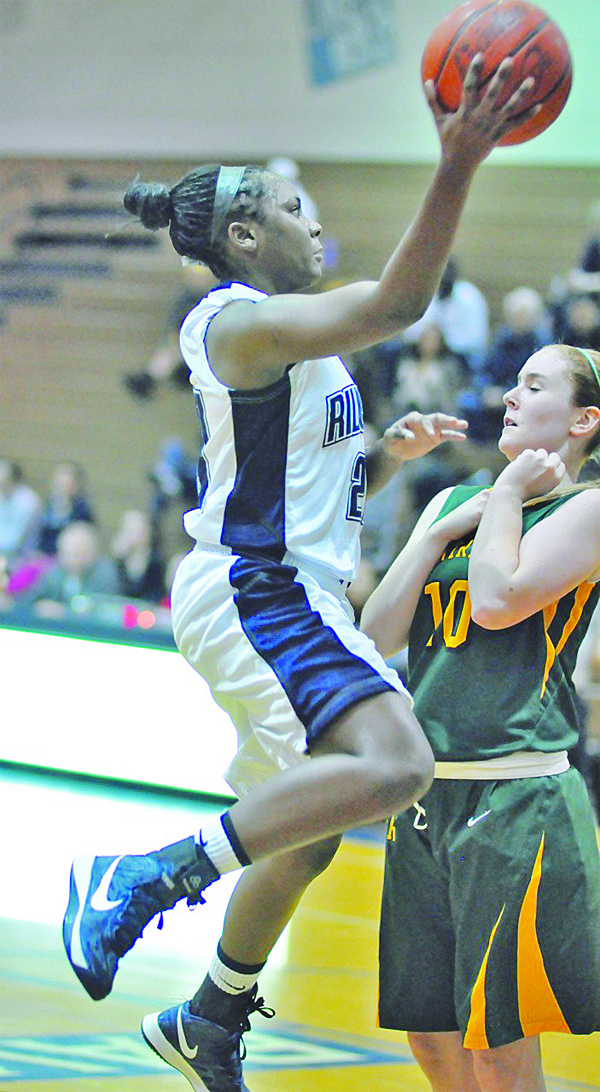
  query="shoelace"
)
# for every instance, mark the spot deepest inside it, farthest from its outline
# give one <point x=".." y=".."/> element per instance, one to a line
<point x="257" y="1004"/>
<point x="143" y="906"/>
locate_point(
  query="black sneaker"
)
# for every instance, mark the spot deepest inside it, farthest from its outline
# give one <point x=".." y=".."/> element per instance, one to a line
<point x="112" y="899"/>
<point x="208" y="1055"/>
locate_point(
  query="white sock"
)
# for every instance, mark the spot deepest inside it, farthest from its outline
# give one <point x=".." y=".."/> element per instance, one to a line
<point x="213" y="838"/>
<point x="228" y="978"/>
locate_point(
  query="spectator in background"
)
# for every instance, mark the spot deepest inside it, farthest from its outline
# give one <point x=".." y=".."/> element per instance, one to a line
<point x="20" y="512"/>
<point x="140" y="568"/>
<point x="67" y="503"/>
<point x="80" y="570"/>
<point x="526" y="328"/>
<point x="577" y="320"/>
<point x="574" y="298"/>
<point x="589" y="261"/>
<point x="461" y="312"/>
<point x="166" y="363"/>
<point x="430" y="376"/>
<point x="173" y="478"/>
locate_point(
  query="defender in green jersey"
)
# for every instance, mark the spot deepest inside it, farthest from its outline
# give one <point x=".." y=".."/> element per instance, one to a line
<point x="490" y="930"/>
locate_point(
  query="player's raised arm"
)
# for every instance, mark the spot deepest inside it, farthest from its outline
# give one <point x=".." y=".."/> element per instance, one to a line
<point x="289" y="327"/>
<point x="247" y="225"/>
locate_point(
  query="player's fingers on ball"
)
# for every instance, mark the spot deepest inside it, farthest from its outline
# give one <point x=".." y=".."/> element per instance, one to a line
<point x="514" y="100"/>
<point x="472" y="78"/>
<point x="432" y="99"/>
<point x="474" y="70"/>
<point x="496" y="84"/>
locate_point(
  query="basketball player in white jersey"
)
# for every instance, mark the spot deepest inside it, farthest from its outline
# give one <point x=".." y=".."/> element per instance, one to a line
<point x="259" y="607"/>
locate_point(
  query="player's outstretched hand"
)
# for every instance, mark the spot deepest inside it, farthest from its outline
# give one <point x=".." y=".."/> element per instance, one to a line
<point x="417" y="433"/>
<point x="472" y="131"/>
<point x="532" y="473"/>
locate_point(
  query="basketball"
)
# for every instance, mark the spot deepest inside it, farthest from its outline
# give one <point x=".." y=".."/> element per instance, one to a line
<point x="499" y="29"/>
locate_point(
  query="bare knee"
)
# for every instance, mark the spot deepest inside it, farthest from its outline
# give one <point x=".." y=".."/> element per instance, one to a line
<point x="515" y="1067"/>
<point x="396" y="759"/>
<point x="405" y="777"/>
<point x="424" y="1046"/>
<point x="401" y="765"/>
<point x="309" y="861"/>
<point x="444" y="1060"/>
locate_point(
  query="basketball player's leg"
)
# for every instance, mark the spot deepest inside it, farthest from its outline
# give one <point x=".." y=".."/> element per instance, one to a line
<point x="515" y="1067"/>
<point x="369" y="759"/>
<point x="263" y="902"/>
<point x="374" y="761"/>
<point x="266" y="896"/>
<point x="444" y="1061"/>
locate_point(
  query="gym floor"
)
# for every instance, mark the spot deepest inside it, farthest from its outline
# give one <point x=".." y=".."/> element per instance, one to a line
<point x="321" y="978"/>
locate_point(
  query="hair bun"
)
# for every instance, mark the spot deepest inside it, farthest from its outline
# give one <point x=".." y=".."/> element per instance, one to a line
<point x="151" y="203"/>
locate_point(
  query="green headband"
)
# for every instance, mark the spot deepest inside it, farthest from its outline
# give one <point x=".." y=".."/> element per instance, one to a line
<point x="591" y="364"/>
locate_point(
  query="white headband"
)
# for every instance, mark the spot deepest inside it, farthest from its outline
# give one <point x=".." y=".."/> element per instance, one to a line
<point x="228" y="184"/>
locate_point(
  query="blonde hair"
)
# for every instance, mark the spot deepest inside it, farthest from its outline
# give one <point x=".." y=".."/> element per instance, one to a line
<point x="586" y="392"/>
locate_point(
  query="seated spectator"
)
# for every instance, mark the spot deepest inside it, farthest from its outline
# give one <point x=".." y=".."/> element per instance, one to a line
<point x="461" y="312"/>
<point x="173" y="477"/>
<point x="429" y="378"/>
<point x="79" y="570"/>
<point x="140" y="568"/>
<point x="574" y="298"/>
<point x="525" y="329"/>
<point x="585" y="277"/>
<point x="20" y="511"/>
<point x="166" y="363"/>
<point x="577" y="320"/>
<point x="67" y="503"/>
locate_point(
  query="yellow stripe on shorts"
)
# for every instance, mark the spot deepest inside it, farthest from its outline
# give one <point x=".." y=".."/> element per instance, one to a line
<point x="538" y="1008"/>
<point x="475" y="1035"/>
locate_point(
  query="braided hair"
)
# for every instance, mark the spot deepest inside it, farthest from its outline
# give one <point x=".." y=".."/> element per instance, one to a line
<point x="187" y="210"/>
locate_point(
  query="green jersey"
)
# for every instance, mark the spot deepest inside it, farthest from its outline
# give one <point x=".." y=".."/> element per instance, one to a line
<point x="481" y="693"/>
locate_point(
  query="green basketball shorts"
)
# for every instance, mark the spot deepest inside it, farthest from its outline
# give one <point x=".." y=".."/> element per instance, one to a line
<point x="490" y="919"/>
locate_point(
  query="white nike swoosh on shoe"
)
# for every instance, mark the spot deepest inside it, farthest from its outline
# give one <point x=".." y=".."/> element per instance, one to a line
<point x="82" y="874"/>
<point x="99" y="900"/>
<point x="475" y="818"/>
<point x="183" y="1045"/>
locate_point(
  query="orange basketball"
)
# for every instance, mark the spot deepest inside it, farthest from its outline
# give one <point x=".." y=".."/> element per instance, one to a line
<point x="499" y="29"/>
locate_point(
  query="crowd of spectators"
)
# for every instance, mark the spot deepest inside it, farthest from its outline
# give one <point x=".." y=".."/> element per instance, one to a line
<point x="59" y="565"/>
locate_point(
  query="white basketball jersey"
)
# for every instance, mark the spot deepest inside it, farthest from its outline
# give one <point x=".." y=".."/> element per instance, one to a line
<point x="282" y="471"/>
